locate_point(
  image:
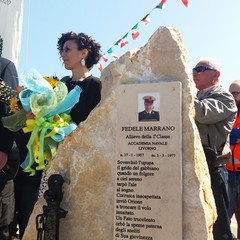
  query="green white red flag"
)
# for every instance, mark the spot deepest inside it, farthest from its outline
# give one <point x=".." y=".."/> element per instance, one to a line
<point x="100" y="67"/>
<point x="110" y="51"/>
<point x="123" y="41"/>
<point x="185" y="2"/>
<point x="104" y="57"/>
<point x="135" y="32"/>
<point x="162" y="4"/>
<point x="146" y="19"/>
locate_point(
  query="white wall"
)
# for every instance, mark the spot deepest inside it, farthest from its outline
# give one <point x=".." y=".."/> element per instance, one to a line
<point x="11" y="15"/>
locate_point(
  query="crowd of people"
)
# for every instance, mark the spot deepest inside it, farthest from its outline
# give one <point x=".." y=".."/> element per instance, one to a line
<point x="216" y="116"/>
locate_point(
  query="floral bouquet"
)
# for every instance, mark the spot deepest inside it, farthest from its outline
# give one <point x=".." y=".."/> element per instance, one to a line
<point x="48" y="99"/>
<point x="10" y="97"/>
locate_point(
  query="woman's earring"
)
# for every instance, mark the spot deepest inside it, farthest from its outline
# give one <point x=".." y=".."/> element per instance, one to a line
<point x="83" y="62"/>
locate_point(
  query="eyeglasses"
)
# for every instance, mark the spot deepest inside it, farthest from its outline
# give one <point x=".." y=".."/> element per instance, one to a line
<point x="66" y="49"/>
<point x="235" y="94"/>
<point x="202" y="69"/>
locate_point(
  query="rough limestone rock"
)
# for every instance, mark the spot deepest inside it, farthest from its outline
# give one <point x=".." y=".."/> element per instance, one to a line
<point x="86" y="158"/>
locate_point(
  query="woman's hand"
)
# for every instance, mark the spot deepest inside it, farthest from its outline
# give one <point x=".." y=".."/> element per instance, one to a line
<point x="19" y="89"/>
<point x="30" y="115"/>
<point x="3" y="159"/>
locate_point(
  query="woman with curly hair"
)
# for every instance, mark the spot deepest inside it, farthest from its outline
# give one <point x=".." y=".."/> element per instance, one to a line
<point x="79" y="53"/>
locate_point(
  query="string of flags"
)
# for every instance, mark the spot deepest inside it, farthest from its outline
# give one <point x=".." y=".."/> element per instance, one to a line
<point x="133" y="32"/>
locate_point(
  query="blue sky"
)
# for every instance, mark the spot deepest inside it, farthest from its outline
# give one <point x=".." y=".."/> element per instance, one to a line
<point x="208" y="28"/>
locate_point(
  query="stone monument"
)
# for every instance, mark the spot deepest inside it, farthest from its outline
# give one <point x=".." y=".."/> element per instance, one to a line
<point x="93" y="156"/>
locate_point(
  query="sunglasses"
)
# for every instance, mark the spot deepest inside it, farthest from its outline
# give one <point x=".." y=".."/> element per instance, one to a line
<point x="202" y="69"/>
<point x="235" y="94"/>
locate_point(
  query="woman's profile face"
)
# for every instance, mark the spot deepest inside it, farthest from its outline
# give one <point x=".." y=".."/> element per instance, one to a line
<point x="71" y="55"/>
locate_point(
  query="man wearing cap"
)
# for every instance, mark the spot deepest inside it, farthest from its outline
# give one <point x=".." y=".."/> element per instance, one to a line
<point x="148" y="114"/>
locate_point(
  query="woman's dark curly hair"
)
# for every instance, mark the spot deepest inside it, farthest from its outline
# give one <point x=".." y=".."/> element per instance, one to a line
<point x="84" y="42"/>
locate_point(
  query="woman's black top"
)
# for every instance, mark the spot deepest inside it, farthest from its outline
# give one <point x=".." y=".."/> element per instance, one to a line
<point x="89" y="97"/>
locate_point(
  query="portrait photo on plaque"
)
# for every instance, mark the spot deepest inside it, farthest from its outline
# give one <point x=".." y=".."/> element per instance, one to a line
<point x="148" y="106"/>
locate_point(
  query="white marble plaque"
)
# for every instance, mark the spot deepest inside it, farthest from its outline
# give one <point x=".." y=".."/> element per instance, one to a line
<point x="148" y="184"/>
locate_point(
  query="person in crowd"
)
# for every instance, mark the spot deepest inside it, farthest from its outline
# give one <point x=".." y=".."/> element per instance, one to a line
<point x="9" y="160"/>
<point x="148" y="114"/>
<point x="79" y="52"/>
<point x="234" y="166"/>
<point x="215" y="112"/>
<point x="26" y="189"/>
